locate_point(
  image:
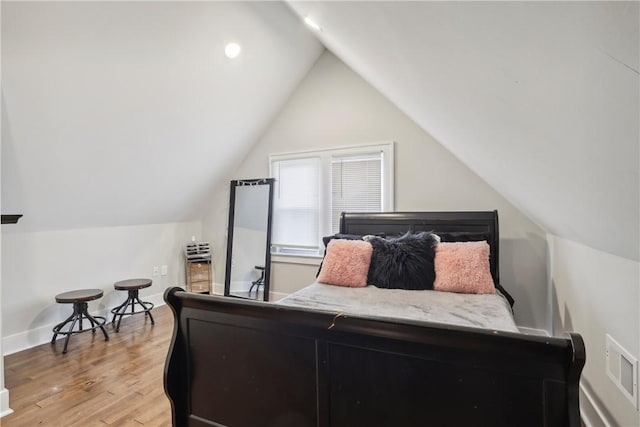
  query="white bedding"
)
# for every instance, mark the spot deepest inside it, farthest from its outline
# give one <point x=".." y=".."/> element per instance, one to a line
<point x="480" y="311"/>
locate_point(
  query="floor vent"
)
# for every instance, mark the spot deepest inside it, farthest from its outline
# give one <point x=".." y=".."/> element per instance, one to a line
<point x="622" y="369"/>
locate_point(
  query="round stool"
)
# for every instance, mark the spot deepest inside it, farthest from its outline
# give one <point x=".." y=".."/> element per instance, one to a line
<point x="79" y="300"/>
<point x="133" y="286"/>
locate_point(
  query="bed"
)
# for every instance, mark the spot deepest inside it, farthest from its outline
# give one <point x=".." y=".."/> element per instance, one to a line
<point x="244" y="363"/>
<point x="491" y="311"/>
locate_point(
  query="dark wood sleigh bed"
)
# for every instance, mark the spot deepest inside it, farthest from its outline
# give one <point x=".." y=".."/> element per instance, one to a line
<point x="242" y="363"/>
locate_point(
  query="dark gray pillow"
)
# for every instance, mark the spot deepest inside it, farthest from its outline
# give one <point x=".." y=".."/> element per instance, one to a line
<point x="405" y="262"/>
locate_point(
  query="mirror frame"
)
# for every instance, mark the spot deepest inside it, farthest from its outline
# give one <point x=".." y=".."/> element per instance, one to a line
<point x="232" y="208"/>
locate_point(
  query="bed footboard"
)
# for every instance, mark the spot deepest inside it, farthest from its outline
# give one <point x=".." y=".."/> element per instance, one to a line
<point x="242" y="363"/>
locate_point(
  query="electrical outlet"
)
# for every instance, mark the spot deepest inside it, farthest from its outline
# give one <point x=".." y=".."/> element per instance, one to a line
<point x="163" y="270"/>
<point x="156" y="270"/>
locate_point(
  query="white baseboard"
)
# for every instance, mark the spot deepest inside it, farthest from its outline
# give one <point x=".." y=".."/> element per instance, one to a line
<point x="41" y="335"/>
<point x="590" y="411"/>
<point x="4" y="403"/>
<point x="275" y="296"/>
<point x="218" y="288"/>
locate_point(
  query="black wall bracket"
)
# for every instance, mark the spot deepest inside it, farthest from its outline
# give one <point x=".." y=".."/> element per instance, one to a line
<point x="10" y="219"/>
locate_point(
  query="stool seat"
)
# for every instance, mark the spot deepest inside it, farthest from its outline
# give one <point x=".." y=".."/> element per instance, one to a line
<point x="79" y="300"/>
<point x="79" y="296"/>
<point x="132" y="286"/>
<point x="125" y="285"/>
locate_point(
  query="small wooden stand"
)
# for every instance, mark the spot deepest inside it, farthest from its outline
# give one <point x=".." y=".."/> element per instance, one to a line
<point x="198" y="268"/>
<point x="199" y="275"/>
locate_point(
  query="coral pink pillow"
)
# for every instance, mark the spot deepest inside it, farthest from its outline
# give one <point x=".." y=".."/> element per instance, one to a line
<point x="463" y="267"/>
<point x="346" y="263"/>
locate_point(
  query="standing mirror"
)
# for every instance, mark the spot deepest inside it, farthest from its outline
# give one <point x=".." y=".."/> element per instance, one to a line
<point x="249" y="239"/>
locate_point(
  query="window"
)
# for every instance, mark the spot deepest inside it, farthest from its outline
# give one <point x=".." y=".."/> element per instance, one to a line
<point x="313" y="188"/>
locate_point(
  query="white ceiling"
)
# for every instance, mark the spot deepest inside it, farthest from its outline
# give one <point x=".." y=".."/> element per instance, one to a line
<point x="120" y="113"/>
<point x="541" y="99"/>
<point x="123" y="113"/>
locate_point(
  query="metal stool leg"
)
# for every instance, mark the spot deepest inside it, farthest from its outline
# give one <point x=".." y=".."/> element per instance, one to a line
<point x="66" y="340"/>
<point x="93" y="323"/>
<point x="100" y="325"/>
<point x="122" y="310"/>
<point x="56" y="329"/>
<point x="116" y="310"/>
<point x="82" y="309"/>
<point x="147" y="311"/>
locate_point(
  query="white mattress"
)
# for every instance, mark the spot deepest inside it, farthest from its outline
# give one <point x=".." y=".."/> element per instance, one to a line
<point x="479" y="311"/>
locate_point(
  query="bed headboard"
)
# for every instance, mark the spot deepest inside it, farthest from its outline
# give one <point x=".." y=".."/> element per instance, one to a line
<point x="397" y="223"/>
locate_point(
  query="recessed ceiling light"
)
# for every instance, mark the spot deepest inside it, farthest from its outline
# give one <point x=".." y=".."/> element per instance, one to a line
<point x="310" y="22"/>
<point x="232" y="50"/>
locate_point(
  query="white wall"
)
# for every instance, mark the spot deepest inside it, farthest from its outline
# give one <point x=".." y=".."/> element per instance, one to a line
<point x="4" y="393"/>
<point x="595" y="293"/>
<point x="334" y="107"/>
<point x="38" y="266"/>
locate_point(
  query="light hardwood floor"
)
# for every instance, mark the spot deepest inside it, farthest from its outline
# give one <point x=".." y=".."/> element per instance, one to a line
<point x="97" y="383"/>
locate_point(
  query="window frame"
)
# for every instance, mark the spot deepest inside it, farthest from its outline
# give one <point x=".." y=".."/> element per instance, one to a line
<point x="326" y="155"/>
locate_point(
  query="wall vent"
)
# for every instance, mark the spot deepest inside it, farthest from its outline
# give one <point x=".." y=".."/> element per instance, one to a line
<point x="622" y="369"/>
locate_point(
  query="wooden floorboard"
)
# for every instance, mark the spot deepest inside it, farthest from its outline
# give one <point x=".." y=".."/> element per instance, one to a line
<point x="97" y="383"/>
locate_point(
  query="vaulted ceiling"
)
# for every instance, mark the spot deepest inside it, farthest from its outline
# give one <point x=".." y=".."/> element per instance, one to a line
<point x="129" y="113"/>
<point x="123" y="113"/>
<point x="541" y="99"/>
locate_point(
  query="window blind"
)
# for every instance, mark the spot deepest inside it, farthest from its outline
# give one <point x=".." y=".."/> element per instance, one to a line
<point x="356" y="185"/>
